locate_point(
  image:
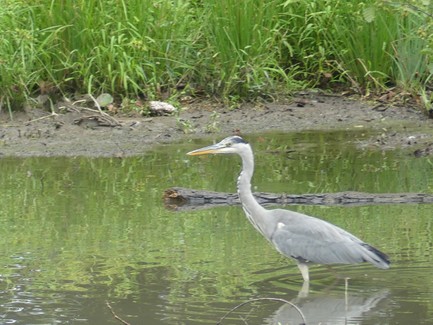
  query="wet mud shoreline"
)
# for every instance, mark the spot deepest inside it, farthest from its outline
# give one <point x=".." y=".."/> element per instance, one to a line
<point x="37" y="132"/>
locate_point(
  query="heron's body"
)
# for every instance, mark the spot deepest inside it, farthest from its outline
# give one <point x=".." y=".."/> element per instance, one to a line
<point x="296" y="235"/>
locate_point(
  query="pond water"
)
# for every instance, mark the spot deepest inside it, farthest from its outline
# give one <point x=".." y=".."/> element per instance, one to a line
<point x="77" y="233"/>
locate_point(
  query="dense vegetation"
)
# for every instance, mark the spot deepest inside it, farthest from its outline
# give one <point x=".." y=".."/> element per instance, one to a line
<point x="230" y="49"/>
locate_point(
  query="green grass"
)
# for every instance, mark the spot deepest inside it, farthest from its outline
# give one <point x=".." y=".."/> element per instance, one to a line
<point x="362" y="47"/>
<point x="228" y="49"/>
<point x="244" y="42"/>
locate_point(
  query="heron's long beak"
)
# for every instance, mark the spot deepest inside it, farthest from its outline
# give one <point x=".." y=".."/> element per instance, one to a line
<point x="206" y="150"/>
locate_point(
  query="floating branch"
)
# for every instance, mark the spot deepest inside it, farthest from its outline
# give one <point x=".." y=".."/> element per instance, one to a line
<point x="262" y="299"/>
<point x="124" y="322"/>
<point x="180" y="198"/>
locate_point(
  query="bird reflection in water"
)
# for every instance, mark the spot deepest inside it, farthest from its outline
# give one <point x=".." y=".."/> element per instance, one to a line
<point x="327" y="309"/>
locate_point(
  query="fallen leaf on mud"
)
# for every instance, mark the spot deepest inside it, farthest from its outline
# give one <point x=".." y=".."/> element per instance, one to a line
<point x="104" y="100"/>
<point x="161" y="108"/>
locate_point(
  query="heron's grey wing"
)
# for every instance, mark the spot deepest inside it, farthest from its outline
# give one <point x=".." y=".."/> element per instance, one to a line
<point x="314" y="240"/>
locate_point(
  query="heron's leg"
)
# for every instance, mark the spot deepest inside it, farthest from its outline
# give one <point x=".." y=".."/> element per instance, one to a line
<point x="304" y="290"/>
<point x="304" y="271"/>
<point x="346" y="287"/>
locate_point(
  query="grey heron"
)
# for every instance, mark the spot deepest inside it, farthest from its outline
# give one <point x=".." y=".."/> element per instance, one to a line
<point x="304" y="238"/>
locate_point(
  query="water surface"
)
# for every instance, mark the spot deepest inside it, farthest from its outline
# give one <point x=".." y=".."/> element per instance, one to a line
<point x="76" y="233"/>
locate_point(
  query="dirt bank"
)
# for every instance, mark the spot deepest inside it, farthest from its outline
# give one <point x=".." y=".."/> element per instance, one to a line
<point x="80" y="132"/>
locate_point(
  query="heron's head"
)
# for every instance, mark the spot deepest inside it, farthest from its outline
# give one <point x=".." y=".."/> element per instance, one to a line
<point x="233" y="144"/>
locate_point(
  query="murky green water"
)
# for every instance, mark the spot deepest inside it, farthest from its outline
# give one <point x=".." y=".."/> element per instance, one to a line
<point x="75" y="233"/>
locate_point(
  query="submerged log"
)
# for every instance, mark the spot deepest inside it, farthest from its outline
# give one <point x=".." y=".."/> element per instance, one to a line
<point x="180" y="198"/>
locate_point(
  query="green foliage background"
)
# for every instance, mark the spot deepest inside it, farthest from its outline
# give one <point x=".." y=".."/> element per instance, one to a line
<point x="229" y="49"/>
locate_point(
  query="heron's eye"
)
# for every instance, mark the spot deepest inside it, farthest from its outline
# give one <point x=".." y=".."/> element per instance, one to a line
<point x="228" y="144"/>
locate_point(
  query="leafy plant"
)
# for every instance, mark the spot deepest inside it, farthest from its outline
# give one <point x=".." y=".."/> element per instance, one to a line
<point x="213" y="125"/>
<point x="185" y="126"/>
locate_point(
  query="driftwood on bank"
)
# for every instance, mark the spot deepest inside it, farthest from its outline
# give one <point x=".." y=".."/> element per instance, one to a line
<point x="180" y="198"/>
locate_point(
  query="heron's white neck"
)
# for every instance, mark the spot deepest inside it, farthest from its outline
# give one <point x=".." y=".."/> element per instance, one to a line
<point x="256" y="214"/>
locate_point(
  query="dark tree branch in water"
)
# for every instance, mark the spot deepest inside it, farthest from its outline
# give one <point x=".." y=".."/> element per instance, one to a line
<point x="115" y="315"/>
<point x="264" y="299"/>
<point x="180" y="198"/>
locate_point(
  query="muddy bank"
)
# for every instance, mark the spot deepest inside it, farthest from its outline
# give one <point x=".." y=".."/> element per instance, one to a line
<point x="78" y="132"/>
